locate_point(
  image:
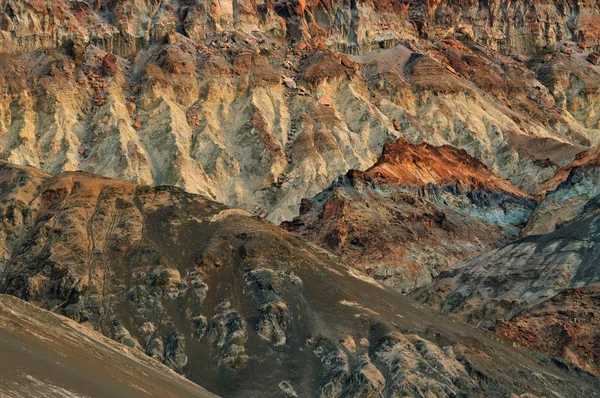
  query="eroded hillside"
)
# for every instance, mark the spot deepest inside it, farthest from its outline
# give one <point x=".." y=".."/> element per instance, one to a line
<point x="259" y="105"/>
<point x="216" y="294"/>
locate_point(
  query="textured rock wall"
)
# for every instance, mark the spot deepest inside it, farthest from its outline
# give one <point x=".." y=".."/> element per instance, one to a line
<point x="253" y="105"/>
<point x="512" y="27"/>
<point x="123" y="27"/>
<point x="218" y="118"/>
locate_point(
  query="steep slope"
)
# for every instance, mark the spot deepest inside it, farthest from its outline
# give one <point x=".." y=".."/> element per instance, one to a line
<point x="540" y="291"/>
<point x="256" y="105"/>
<point x="511" y="27"/>
<point x="564" y="195"/>
<point x="239" y="304"/>
<point x="417" y="211"/>
<point x="46" y="355"/>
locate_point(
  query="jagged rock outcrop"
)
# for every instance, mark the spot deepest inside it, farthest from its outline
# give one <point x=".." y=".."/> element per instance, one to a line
<point x="513" y="27"/>
<point x="238" y="304"/>
<point x="540" y="291"/>
<point x="419" y="210"/>
<point x="563" y="197"/>
<point x="46" y="355"/>
<point x="200" y="95"/>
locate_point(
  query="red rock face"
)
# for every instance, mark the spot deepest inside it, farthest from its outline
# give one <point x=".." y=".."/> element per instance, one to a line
<point x="417" y="211"/>
<point x="566" y="326"/>
<point x="418" y="165"/>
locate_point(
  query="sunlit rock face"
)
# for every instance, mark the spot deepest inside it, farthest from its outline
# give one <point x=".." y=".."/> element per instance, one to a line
<point x="259" y="105"/>
<point x="417" y="211"/>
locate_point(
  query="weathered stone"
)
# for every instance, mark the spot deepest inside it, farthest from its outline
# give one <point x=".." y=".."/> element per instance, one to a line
<point x="267" y="292"/>
<point x="419" y="210"/>
<point x="109" y="64"/>
<point x="289" y="82"/>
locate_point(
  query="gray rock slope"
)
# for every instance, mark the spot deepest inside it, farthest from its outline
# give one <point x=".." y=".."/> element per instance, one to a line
<point x="47" y="355"/>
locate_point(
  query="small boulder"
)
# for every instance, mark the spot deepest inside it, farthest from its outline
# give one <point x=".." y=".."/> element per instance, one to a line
<point x="325" y="100"/>
<point x="348" y="63"/>
<point x="303" y="91"/>
<point x="131" y="107"/>
<point x="594" y="58"/>
<point x="289" y="82"/>
<point x="109" y="64"/>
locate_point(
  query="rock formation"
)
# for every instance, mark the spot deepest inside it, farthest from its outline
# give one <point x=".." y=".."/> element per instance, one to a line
<point x="216" y="294"/>
<point x="540" y="291"/>
<point x="563" y="197"/>
<point x="259" y="105"/>
<point x="417" y="211"/>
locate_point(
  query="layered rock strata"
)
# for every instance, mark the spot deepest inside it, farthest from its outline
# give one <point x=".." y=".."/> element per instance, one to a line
<point x="259" y="105"/>
<point x="419" y="210"/>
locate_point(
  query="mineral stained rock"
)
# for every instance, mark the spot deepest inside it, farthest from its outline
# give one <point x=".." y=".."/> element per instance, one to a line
<point x="417" y="211"/>
<point x="239" y="305"/>
<point x="191" y="94"/>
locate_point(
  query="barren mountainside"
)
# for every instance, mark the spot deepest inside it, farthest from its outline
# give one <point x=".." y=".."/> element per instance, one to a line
<point x="216" y="293"/>
<point x="298" y="198"/>
<point x="259" y="105"/>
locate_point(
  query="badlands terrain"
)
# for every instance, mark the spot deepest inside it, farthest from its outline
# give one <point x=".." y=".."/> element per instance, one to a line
<point x="296" y="198"/>
<point x="237" y="304"/>
<point x="260" y="105"/>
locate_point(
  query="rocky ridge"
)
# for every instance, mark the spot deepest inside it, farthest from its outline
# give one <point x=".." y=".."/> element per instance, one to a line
<point x="419" y="210"/>
<point x="216" y="294"/>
